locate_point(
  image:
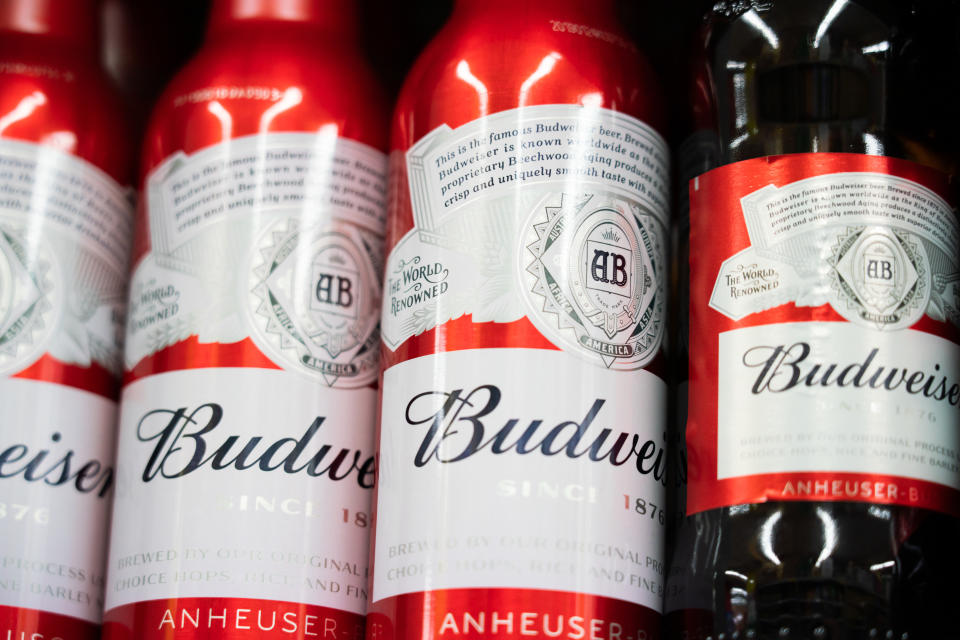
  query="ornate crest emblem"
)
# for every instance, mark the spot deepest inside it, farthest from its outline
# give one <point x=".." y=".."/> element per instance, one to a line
<point x="316" y="301"/>
<point x="593" y="277"/>
<point x="26" y="311"/>
<point x="880" y="277"/>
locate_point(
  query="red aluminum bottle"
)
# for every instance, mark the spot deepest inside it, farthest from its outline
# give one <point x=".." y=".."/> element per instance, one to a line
<point x="246" y="433"/>
<point x="66" y="215"/>
<point x="521" y="466"/>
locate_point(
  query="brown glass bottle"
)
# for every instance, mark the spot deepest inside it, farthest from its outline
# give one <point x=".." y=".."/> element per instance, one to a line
<point x="776" y="78"/>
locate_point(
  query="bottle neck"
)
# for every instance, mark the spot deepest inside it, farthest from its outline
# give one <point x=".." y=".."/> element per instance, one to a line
<point x="331" y="16"/>
<point x="605" y="9"/>
<point x="70" y="22"/>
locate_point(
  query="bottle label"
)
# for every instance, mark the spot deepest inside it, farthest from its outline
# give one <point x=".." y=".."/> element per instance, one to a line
<point x="593" y="188"/>
<point x="533" y="439"/>
<point x="825" y="300"/>
<point x="260" y="478"/>
<point x="65" y="229"/>
<point x="245" y="461"/>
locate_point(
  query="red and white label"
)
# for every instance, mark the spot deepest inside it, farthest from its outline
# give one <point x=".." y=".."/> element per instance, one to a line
<point x="522" y="433"/>
<point x="230" y="617"/>
<point x="825" y="303"/>
<point x="65" y="230"/>
<point x="522" y="464"/>
<point x="221" y="494"/>
<point x="56" y="474"/>
<point x="245" y="461"/>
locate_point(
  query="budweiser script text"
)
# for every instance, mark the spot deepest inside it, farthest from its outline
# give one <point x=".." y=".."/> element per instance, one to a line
<point x="179" y="451"/>
<point x="783" y="368"/>
<point x="457" y="431"/>
<point x="36" y="466"/>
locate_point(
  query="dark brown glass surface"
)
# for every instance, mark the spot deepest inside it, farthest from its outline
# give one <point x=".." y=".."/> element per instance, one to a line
<point x="797" y="76"/>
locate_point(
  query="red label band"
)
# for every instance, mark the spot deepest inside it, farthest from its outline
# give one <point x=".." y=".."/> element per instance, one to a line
<point x="233" y="618"/>
<point x="192" y="354"/>
<point x="463" y="333"/>
<point x="508" y="614"/>
<point x="826" y="487"/>
<point x="94" y="378"/>
<point x="29" y="624"/>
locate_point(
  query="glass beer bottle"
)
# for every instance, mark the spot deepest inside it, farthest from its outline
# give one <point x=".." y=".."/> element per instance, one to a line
<point x="824" y="367"/>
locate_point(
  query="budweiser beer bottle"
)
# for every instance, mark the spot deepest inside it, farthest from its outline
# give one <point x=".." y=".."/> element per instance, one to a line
<point x="520" y="480"/>
<point x="823" y="432"/>
<point x="246" y="432"/>
<point x="65" y="231"/>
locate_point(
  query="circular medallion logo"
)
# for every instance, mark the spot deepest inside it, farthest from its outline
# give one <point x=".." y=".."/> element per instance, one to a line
<point x="881" y="277"/>
<point x="316" y="301"/>
<point x="592" y="281"/>
<point x="27" y="314"/>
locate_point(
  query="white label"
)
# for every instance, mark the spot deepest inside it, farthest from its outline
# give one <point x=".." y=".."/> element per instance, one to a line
<point x="233" y="254"/>
<point x="65" y="230"/>
<point x="56" y="478"/>
<point x="881" y="250"/>
<point x="450" y="169"/>
<point x="192" y="193"/>
<point x="786" y="402"/>
<point x="245" y="483"/>
<point x="538" y="475"/>
<point x="557" y="213"/>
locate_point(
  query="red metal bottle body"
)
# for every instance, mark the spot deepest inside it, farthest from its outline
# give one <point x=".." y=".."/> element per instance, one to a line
<point x="62" y="133"/>
<point x="267" y="151"/>
<point x="494" y="63"/>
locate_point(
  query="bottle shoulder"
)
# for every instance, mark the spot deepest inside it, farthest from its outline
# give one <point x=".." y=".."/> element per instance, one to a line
<point x="477" y="68"/>
<point x="814" y="29"/>
<point x="235" y="87"/>
<point x="778" y="77"/>
<point x="56" y="97"/>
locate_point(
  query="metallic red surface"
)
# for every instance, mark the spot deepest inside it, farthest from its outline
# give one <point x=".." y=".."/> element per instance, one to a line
<point x="341" y="16"/>
<point x="489" y="58"/>
<point x="16" y="621"/>
<point x="290" y="47"/>
<point x="72" y="22"/>
<point x="59" y="69"/>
